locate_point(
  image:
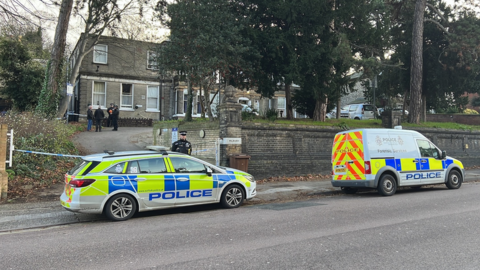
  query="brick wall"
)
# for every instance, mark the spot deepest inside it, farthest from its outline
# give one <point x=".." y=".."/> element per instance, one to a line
<point x="300" y="150"/>
<point x="205" y="147"/>
<point x="467" y="119"/>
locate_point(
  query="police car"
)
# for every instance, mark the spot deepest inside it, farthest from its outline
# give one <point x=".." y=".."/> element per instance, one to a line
<point x="123" y="183"/>
<point x="385" y="159"/>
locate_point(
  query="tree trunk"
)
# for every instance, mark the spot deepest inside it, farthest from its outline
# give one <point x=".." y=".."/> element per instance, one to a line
<point x="416" y="70"/>
<point x="423" y="117"/>
<point x="288" y="101"/>
<point x="320" y="108"/>
<point x="188" y="113"/>
<point x="57" y="55"/>
<point x="339" y="110"/>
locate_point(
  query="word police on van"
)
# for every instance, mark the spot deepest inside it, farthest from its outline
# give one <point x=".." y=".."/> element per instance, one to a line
<point x="385" y="159"/>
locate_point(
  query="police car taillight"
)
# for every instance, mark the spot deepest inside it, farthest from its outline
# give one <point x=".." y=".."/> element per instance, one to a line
<point x="368" y="169"/>
<point x="81" y="182"/>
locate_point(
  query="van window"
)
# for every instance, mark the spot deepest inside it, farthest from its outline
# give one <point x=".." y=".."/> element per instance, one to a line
<point x="427" y="149"/>
<point x="353" y="108"/>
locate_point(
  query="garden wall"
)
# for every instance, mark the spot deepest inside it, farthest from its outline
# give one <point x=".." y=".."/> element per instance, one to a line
<point x="466" y="119"/>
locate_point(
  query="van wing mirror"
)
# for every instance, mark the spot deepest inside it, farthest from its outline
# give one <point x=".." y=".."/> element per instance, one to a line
<point x="209" y="171"/>
<point x="444" y="154"/>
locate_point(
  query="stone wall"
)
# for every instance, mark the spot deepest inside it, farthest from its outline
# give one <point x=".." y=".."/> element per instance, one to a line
<point x="467" y="119"/>
<point x="203" y="148"/>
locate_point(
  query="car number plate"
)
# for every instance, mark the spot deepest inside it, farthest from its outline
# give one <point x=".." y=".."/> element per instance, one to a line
<point x="340" y="170"/>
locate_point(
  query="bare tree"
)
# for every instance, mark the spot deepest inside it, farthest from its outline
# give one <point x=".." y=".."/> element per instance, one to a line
<point x="100" y="15"/>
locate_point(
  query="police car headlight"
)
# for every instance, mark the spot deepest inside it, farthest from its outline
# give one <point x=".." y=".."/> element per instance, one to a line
<point x="249" y="178"/>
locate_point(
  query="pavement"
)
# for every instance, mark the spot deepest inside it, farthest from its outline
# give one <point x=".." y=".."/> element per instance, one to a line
<point x="20" y="216"/>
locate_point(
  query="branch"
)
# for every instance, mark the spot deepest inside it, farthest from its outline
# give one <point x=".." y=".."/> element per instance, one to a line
<point x="436" y="11"/>
<point x="439" y="25"/>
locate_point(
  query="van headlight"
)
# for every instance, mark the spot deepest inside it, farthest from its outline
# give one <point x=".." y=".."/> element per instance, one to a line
<point x="249" y="178"/>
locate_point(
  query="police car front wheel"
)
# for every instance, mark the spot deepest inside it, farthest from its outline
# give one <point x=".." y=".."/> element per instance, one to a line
<point x="120" y="207"/>
<point x="232" y="197"/>
<point x="454" y="180"/>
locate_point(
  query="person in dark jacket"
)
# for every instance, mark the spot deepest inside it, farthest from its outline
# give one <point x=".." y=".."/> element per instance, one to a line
<point x="89" y="118"/>
<point x="182" y="145"/>
<point x="99" y="115"/>
<point x="110" y="116"/>
<point x="115" y="114"/>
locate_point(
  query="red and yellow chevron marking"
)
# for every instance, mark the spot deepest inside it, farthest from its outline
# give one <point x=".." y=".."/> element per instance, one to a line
<point x="356" y="170"/>
<point x="338" y="147"/>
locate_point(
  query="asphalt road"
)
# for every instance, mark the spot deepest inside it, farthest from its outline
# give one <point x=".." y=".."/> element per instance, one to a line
<point x="433" y="228"/>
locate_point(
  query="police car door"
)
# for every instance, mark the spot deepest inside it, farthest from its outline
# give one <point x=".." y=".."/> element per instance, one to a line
<point x="193" y="185"/>
<point x="156" y="187"/>
<point x="430" y="162"/>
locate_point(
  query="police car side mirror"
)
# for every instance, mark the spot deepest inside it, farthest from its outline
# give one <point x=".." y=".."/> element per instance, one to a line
<point x="444" y="154"/>
<point x="209" y="171"/>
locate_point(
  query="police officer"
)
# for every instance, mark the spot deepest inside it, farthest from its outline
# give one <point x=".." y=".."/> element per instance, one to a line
<point x="182" y="145"/>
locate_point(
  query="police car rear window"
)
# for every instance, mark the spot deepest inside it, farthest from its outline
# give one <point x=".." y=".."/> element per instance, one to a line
<point x="80" y="166"/>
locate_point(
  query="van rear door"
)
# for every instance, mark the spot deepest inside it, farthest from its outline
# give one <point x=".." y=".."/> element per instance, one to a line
<point x="348" y="157"/>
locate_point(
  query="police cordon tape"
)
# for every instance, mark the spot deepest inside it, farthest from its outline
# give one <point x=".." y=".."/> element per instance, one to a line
<point x="48" y="154"/>
<point x="203" y="150"/>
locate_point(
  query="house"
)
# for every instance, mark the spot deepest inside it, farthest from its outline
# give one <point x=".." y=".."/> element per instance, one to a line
<point x="123" y="72"/>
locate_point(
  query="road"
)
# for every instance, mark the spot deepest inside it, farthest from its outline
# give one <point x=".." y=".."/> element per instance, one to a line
<point x="433" y="228"/>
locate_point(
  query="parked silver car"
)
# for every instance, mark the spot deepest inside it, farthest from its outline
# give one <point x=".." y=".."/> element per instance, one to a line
<point x="361" y="111"/>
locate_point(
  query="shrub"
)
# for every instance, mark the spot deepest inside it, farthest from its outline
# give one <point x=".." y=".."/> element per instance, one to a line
<point x="270" y="115"/>
<point x="246" y="116"/>
<point x="34" y="133"/>
<point x="469" y="111"/>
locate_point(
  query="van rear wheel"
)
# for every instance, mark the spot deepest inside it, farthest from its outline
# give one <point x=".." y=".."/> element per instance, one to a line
<point x="454" y="180"/>
<point x="387" y="186"/>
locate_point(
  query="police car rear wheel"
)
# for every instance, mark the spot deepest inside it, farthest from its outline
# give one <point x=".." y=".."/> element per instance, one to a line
<point x="387" y="185"/>
<point x="232" y="197"/>
<point x="120" y="207"/>
<point x="454" y="180"/>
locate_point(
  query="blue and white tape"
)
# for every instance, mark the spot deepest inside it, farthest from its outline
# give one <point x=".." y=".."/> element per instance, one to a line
<point x="203" y="150"/>
<point x="48" y="154"/>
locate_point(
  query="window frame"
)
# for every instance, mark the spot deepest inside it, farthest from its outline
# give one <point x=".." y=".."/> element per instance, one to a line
<point x="104" y="105"/>
<point x="152" y="64"/>
<point x="157" y="109"/>
<point x="132" y="91"/>
<point x="98" y="51"/>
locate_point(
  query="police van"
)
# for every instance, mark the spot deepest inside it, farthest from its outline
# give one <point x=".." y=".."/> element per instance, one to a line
<point x="385" y="159"/>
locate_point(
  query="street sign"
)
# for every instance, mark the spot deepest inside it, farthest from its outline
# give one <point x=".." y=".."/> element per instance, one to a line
<point x="69" y="89"/>
<point x="232" y="141"/>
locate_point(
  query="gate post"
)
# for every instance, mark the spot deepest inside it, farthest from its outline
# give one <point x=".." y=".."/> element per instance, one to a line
<point x="230" y="115"/>
<point x="3" y="158"/>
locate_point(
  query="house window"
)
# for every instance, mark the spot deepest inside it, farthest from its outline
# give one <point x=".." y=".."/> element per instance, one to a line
<point x="100" y="54"/>
<point x="281" y="103"/>
<point x="126" y="99"/>
<point x="152" y="60"/>
<point x="99" y="94"/>
<point x="152" y="98"/>
<point x="185" y="103"/>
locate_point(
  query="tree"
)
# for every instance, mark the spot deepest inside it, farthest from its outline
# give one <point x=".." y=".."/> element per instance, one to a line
<point x="50" y="94"/>
<point x="99" y="15"/>
<point x="205" y="41"/>
<point x="21" y="77"/>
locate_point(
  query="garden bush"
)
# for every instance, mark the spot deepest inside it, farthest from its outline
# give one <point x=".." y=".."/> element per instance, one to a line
<point x="34" y="133"/>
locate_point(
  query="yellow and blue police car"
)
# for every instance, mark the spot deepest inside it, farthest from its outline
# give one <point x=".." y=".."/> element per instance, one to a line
<point x="388" y="158"/>
<point x="123" y="183"/>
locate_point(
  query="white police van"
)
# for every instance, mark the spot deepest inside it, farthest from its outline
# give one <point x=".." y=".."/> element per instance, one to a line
<point x="385" y="159"/>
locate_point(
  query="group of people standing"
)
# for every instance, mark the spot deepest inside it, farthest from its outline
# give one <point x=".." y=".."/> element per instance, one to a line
<point x="98" y="115"/>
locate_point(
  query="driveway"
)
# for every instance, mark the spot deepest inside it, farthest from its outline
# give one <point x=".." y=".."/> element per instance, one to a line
<point x="125" y="139"/>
